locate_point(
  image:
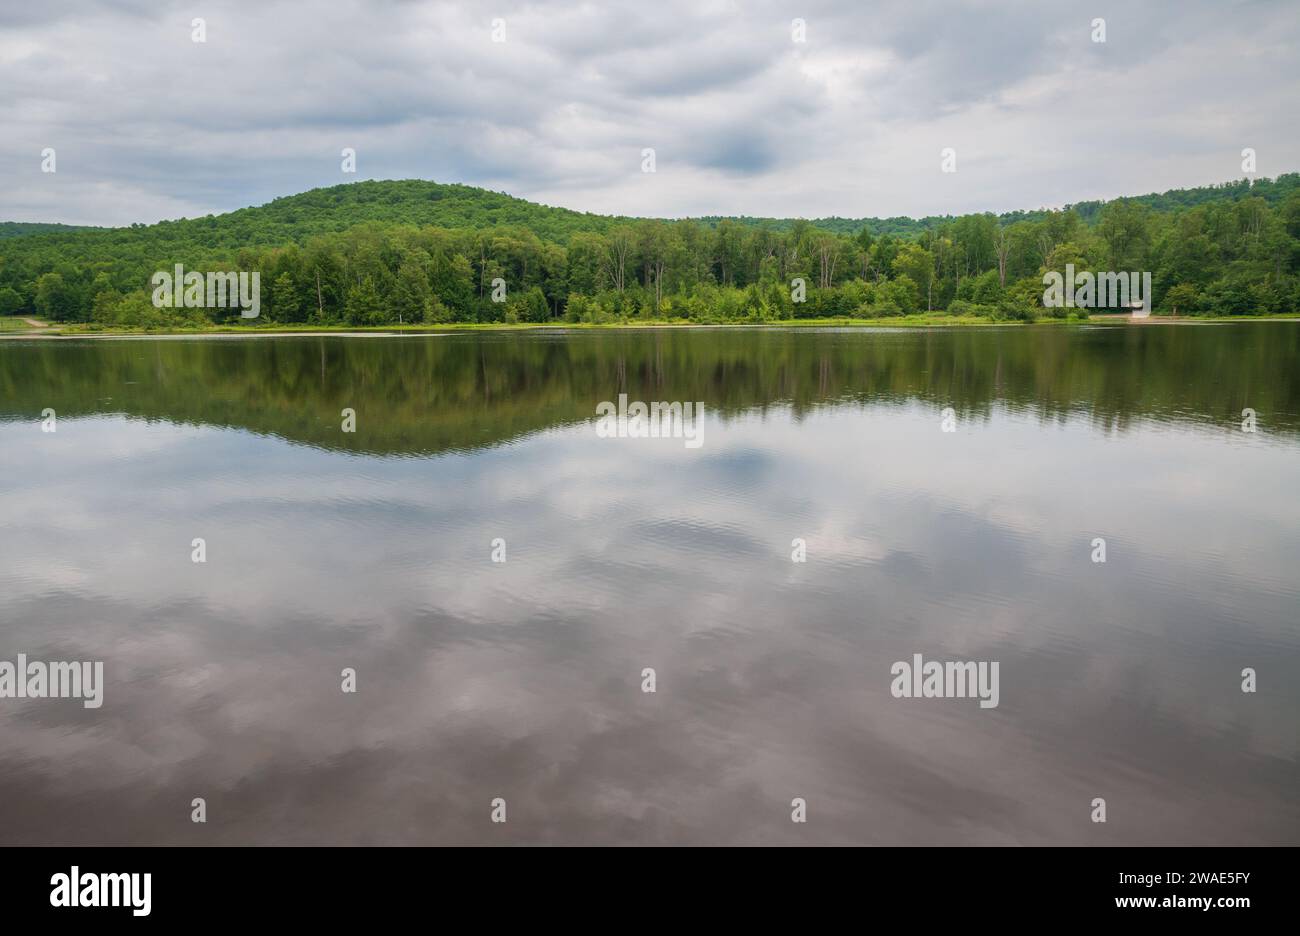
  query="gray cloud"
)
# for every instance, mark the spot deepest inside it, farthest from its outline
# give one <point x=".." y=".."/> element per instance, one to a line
<point x="148" y="124"/>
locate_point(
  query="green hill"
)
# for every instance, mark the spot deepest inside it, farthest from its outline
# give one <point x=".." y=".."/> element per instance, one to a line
<point x="24" y="228"/>
<point x="408" y="201"/>
<point x="384" y="251"/>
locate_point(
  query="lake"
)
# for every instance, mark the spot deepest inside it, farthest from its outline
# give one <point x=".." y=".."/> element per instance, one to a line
<point x="499" y="578"/>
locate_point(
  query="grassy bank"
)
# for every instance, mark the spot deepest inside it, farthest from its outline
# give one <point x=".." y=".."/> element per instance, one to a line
<point x="896" y="321"/>
<point x="10" y="325"/>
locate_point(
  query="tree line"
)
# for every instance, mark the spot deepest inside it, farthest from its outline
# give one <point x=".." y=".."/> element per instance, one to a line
<point x="380" y="253"/>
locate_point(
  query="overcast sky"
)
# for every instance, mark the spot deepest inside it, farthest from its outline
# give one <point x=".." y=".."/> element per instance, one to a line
<point x="148" y="124"/>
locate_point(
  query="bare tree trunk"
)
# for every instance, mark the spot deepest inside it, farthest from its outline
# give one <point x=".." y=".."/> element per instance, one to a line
<point x="1003" y="247"/>
<point x="826" y="256"/>
<point x="616" y="256"/>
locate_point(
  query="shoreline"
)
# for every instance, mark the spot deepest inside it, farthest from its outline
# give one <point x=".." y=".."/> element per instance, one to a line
<point x="47" y="331"/>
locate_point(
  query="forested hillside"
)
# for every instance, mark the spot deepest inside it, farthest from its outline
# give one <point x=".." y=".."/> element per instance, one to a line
<point x="22" y="228"/>
<point x="372" y="253"/>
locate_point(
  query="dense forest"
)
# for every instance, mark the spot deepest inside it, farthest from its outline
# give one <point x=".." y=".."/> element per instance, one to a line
<point x="377" y="253"/>
<point x="21" y="228"/>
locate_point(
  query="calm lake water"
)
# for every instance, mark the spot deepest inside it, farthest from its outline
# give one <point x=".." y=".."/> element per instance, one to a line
<point x="372" y="550"/>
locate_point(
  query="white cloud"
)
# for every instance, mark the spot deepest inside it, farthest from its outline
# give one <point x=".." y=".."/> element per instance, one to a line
<point x="149" y="124"/>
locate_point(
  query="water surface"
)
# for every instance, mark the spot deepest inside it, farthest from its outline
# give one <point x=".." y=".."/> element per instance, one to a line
<point x="522" y="679"/>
